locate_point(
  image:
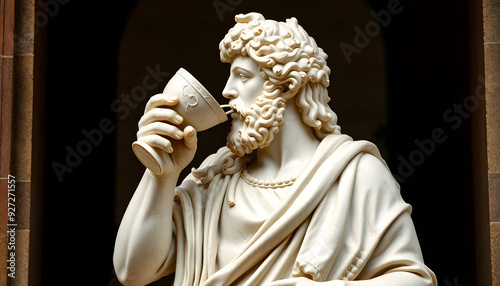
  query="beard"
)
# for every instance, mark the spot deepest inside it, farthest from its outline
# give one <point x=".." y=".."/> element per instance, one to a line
<point x="256" y="126"/>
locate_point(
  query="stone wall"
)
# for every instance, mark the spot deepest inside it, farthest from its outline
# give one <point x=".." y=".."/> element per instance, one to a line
<point x="491" y="26"/>
<point x="16" y="67"/>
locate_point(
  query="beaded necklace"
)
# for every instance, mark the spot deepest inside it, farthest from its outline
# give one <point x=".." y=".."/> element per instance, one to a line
<point x="267" y="183"/>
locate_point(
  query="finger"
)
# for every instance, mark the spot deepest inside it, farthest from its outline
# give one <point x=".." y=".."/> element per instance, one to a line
<point x="159" y="142"/>
<point x="161" y="100"/>
<point x="160" y="114"/>
<point x="190" y="138"/>
<point x="160" y="128"/>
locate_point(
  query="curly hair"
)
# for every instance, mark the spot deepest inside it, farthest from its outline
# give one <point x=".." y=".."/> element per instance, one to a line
<point x="291" y="64"/>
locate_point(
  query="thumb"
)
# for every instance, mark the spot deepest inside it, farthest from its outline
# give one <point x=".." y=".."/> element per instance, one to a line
<point x="190" y="138"/>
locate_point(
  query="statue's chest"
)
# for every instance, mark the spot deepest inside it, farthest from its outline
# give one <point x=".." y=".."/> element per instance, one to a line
<point x="237" y="224"/>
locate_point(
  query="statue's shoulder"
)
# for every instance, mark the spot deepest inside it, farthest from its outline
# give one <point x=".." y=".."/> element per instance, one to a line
<point x="364" y="156"/>
<point x="376" y="187"/>
<point x="372" y="169"/>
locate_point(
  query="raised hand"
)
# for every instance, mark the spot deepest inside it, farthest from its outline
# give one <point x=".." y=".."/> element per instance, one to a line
<point x="159" y="128"/>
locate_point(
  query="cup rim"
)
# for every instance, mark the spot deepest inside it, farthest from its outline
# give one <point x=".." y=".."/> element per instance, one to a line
<point x="204" y="93"/>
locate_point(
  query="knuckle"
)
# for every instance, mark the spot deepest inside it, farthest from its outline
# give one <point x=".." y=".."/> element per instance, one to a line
<point x="156" y="112"/>
<point x="156" y="125"/>
<point x="141" y="122"/>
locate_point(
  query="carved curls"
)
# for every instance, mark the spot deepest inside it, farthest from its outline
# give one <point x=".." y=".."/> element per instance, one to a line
<point x="291" y="63"/>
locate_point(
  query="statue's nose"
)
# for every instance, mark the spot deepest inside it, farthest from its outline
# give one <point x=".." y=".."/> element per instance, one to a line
<point x="229" y="93"/>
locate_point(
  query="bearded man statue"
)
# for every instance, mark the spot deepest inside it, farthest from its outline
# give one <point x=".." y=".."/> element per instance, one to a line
<point x="289" y="201"/>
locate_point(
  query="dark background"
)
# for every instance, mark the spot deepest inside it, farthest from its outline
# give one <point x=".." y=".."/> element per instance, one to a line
<point x="426" y="72"/>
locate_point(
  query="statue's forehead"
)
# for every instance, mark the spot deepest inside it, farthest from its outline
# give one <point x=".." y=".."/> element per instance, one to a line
<point x="244" y="62"/>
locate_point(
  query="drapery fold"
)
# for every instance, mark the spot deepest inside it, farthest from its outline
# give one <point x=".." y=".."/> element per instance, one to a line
<point x="326" y="227"/>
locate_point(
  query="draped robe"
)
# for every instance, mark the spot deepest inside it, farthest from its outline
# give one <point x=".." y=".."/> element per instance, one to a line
<point x="343" y="219"/>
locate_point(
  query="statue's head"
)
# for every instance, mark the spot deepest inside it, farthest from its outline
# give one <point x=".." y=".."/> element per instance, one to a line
<point x="289" y="65"/>
<point x="283" y="63"/>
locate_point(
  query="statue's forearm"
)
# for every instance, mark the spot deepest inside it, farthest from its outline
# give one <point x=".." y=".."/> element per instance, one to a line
<point x="145" y="233"/>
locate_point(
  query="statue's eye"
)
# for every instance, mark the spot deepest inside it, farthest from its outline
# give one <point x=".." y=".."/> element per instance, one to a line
<point x="244" y="77"/>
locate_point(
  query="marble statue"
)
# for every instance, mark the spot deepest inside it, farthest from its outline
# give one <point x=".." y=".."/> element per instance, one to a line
<point x="288" y="201"/>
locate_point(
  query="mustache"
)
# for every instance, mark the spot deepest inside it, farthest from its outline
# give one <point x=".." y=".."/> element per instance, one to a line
<point x="239" y="110"/>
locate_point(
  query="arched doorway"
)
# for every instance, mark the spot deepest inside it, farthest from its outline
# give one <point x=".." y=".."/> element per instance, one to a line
<point x="167" y="36"/>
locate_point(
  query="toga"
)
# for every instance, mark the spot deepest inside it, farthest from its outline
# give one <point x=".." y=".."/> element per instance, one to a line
<point x="342" y="219"/>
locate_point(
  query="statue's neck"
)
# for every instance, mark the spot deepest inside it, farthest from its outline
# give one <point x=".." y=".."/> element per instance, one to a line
<point x="290" y="150"/>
